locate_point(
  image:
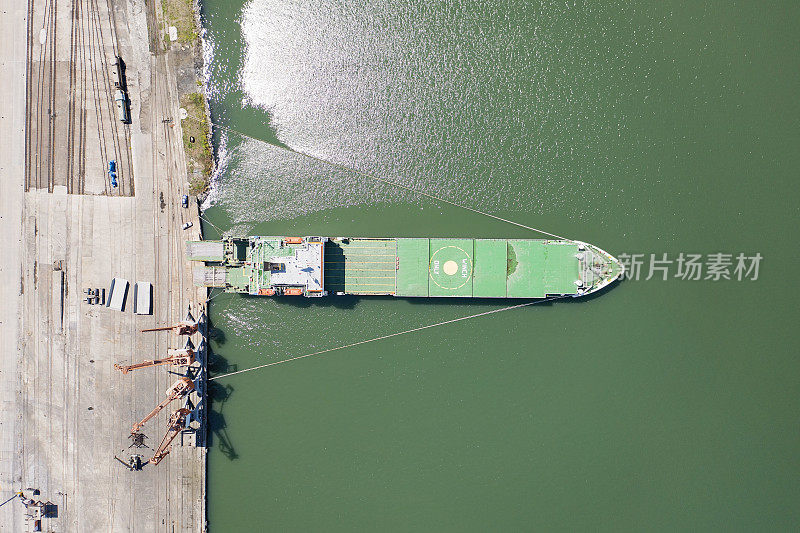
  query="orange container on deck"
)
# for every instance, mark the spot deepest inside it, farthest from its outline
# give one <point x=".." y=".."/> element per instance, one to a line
<point x="266" y="292"/>
<point x="293" y="240"/>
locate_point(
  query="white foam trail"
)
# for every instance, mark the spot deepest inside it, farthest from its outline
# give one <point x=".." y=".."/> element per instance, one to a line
<point x="208" y="59"/>
<point x="263" y="182"/>
<point x="216" y="181"/>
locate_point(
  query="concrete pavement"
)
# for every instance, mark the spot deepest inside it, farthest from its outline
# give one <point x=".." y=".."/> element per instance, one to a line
<point x="66" y="412"/>
<point x="12" y="177"/>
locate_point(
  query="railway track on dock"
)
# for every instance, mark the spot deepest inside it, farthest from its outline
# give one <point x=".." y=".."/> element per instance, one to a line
<point x="70" y="95"/>
<point x="40" y="100"/>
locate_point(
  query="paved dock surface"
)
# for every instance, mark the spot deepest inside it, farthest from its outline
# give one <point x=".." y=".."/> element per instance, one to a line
<point x="66" y="412"/>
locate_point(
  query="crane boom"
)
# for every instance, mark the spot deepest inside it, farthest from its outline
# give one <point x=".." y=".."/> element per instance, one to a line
<point x="176" y="424"/>
<point x="180" y="357"/>
<point x="180" y="388"/>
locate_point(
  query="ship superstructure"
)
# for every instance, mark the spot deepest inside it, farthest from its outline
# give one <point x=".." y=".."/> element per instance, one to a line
<point x="403" y="267"/>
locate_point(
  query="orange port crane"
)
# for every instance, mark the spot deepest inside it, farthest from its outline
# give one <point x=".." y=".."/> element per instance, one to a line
<point x="184" y="327"/>
<point x="176" y="424"/>
<point x="178" y="357"/>
<point x="179" y="389"/>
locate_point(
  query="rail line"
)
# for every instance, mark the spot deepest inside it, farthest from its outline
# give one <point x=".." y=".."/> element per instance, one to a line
<point x="105" y="78"/>
<point x="55" y="144"/>
<point x="75" y="119"/>
<point x="95" y="53"/>
<point x="81" y="175"/>
<point x="33" y="102"/>
<point x="28" y="82"/>
<point x="44" y="96"/>
<point x="71" y="99"/>
<point x="122" y="147"/>
<point x="51" y="125"/>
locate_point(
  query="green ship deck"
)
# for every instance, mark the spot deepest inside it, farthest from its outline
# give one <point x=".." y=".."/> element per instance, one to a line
<point x="404" y="267"/>
<point x="483" y="268"/>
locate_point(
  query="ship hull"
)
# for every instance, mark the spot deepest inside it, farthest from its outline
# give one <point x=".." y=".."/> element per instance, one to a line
<point x="404" y="267"/>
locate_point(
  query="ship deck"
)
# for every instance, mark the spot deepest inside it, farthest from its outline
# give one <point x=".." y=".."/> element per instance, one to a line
<point x="403" y="267"/>
<point x="361" y="266"/>
<point x="423" y="267"/>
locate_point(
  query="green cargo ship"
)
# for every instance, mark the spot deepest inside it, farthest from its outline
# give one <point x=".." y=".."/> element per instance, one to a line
<point x="403" y="267"/>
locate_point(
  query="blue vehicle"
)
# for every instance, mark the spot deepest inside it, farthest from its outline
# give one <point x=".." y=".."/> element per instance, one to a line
<point x="112" y="172"/>
<point x="185" y="201"/>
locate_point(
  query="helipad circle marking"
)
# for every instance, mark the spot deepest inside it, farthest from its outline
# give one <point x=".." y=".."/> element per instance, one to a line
<point x="466" y="268"/>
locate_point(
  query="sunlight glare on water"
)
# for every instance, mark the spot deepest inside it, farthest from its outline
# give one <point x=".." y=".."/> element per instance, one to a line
<point x="641" y="127"/>
<point x="433" y="94"/>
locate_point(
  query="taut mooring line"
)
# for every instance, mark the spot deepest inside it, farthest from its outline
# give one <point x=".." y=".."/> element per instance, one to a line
<point x="386" y="181"/>
<point x="385" y="337"/>
<point x="401" y="186"/>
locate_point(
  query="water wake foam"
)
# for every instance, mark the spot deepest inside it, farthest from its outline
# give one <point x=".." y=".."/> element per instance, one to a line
<point x="216" y="182"/>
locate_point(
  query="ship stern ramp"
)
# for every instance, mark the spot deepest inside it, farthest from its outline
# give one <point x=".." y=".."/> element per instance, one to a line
<point x="207" y="251"/>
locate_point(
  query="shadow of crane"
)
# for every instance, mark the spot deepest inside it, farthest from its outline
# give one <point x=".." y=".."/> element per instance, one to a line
<point x="218" y="436"/>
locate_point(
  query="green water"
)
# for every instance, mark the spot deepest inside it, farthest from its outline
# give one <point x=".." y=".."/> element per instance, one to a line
<point x="646" y="127"/>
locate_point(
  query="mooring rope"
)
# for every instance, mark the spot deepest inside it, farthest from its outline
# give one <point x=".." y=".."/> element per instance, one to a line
<point x="209" y="299"/>
<point x="401" y="186"/>
<point x="390" y="335"/>
<point x="423" y="193"/>
<point x="214" y="225"/>
<point x="386" y="181"/>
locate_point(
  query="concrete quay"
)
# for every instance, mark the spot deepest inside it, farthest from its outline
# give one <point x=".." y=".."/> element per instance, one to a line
<point x="66" y="412"/>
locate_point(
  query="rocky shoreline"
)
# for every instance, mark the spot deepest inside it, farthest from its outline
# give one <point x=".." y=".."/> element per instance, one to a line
<point x="181" y="24"/>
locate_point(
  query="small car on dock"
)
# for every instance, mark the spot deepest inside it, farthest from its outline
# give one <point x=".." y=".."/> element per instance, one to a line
<point x="112" y="172"/>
